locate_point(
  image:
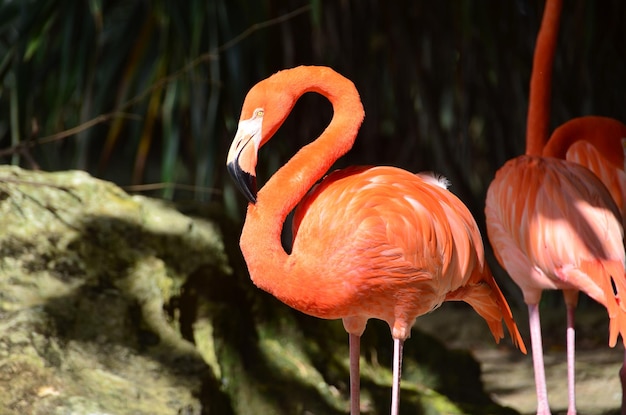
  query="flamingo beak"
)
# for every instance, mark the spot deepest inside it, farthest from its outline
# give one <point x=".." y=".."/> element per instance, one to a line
<point x="245" y="181"/>
<point x="242" y="158"/>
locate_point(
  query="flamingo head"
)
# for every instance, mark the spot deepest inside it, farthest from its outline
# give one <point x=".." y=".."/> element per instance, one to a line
<point x="265" y="108"/>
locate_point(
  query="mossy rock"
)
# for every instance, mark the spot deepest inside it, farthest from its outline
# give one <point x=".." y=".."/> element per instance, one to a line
<point x="89" y="278"/>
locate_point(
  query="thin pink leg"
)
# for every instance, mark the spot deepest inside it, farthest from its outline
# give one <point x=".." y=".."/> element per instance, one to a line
<point x="397" y="375"/>
<point x="355" y="380"/>
<point x="537" y="349"/>
<point x="571" y="347"/>
<point x="622" y="378"/>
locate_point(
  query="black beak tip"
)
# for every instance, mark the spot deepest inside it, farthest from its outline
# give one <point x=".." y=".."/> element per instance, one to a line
<point x="245" y="181"/>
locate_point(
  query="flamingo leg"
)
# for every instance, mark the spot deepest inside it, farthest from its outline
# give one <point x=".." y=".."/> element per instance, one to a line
<point x="537" y="350"/>
<point x="571" y="301"/>
<point x="397" y="375"/>
<point x="622" y="377"/>
<point x="355" y="380"/>
<point x="571" y="347"/>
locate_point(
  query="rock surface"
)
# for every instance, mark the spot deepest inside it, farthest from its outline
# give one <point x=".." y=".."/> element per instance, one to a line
<point x="87" y="274"/>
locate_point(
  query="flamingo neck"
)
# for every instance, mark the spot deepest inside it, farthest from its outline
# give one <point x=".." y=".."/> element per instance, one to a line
<point x="603" y="132"/>
<point x="538" y="121"/>
<point x="261" y="236"/>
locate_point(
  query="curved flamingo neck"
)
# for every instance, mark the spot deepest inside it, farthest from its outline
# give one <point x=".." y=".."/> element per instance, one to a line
<point x="261" y="236"/>
<point x="604" y="133"/>
<point x="538" y="121"/>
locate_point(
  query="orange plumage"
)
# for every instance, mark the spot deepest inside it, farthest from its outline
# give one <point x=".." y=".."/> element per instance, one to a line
<point x="369" y="242"/>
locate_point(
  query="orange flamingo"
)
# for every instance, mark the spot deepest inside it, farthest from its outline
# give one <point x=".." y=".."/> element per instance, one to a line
<point x="369" y="242"/>
<point x="598" y="144"/>
<point x="553" y="224"/>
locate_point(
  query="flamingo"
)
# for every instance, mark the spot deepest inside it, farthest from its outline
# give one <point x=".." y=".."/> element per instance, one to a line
<point x="368" y="242"/>
<point x="553" y="224"/>
<point x="597" y="143"/>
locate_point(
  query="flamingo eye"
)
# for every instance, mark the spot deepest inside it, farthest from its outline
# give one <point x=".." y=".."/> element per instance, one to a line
<point x="258" y="113"/>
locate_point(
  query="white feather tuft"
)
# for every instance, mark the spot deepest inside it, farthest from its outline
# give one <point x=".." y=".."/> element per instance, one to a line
<point x="435" y="179"/>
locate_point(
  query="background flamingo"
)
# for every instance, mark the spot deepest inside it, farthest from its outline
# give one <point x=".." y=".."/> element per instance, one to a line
<point x="369" y="242"/>
<point x="597" y="143"/>
<point x="553" y="224"/>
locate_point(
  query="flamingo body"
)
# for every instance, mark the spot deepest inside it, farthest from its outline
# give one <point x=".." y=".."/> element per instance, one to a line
<point x="369" y="242"/>
<point x="394" y="244"/>
<point x="564" y="232"/>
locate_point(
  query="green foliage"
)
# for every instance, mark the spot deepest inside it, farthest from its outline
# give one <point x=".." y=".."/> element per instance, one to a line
<point x="133" y="91"/>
